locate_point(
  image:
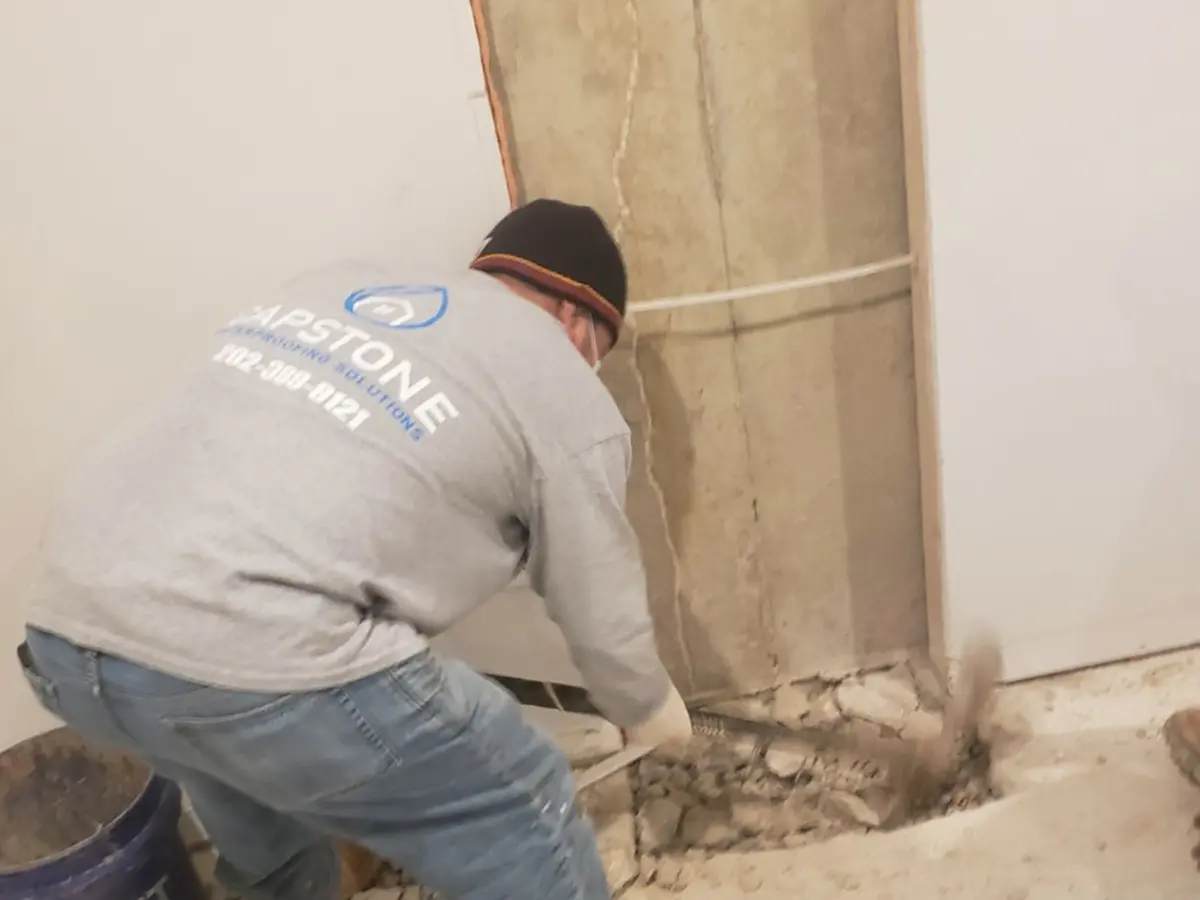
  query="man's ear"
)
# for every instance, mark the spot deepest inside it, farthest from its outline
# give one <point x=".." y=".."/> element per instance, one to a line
<point x="565" y="313"/>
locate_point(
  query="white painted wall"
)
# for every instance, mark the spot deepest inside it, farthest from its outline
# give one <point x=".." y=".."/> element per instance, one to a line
<point x="531" y="647"/>
<point x="161" y="161"/>
<point x="1063" y="158"/>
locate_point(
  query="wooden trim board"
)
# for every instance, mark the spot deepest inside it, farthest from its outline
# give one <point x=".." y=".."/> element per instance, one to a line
<point x="495" y="101"/>
<point x="929" y="445"/>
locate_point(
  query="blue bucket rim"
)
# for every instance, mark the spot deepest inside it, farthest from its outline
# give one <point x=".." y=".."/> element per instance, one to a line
<point x="109" y="842"/>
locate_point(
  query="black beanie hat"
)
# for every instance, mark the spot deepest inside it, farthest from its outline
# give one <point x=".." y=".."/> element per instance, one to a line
<point x="563" y="249"/>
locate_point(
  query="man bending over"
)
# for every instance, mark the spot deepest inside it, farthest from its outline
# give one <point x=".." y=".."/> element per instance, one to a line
<point x="240" y="587"/>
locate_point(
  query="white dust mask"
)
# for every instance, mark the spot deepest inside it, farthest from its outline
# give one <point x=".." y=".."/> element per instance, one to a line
<point x="592" y="338"/>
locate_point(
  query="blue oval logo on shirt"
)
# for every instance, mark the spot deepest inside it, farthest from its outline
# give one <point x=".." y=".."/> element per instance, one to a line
<point x="399" y="306"/>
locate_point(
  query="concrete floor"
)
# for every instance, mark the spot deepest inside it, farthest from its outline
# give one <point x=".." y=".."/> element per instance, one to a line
<point x="1093" y="809"/>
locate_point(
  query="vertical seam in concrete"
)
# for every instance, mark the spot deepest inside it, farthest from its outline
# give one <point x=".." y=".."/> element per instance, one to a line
<point x="708" y="118"/>
<point x="623" y="215"/>
<point x="631" y="85"/>
<point x="713" y="157"/>
<point x="924" y="362"/>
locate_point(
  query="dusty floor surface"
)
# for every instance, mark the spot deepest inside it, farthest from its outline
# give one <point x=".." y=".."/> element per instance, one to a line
<point x="1092" y="806"/>
<point x="658" y="821"/>
<point x="1094" y="810"/>
<point x="1103" y="834"/>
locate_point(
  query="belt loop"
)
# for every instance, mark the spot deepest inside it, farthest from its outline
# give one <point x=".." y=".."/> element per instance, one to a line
<point x="93" y="672"/>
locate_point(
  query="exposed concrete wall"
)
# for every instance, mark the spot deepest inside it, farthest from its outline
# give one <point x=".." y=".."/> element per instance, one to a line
<point x="776" y="483"/>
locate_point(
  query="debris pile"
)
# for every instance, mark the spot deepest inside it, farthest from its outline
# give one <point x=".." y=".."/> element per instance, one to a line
<point x="655" y="820"/>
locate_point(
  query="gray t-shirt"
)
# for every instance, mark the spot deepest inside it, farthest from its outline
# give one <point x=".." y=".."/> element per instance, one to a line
<point x="351" y="470"/>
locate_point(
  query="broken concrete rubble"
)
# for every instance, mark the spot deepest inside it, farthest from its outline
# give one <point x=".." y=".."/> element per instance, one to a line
<point x="658" y="823"/>
<point x="670" y="874"/>
<point x="851" y="809"/>
<point x="658" y="820"/>
<point x="883" y="698"/>
<point x="708" y="827"/>
<point x="729" y="794"/>
<point x="785" y="762"/>
<point x="921" y="725"/>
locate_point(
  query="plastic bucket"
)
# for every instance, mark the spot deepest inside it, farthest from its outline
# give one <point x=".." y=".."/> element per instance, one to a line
<point x="77" y="823"/>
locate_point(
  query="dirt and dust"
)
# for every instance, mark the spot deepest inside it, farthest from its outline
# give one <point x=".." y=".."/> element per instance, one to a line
<point x="35" y="777"/>
<point x="1182" y="734"/>
<point x="658" y="820"/>
<point x="740" y="796"/>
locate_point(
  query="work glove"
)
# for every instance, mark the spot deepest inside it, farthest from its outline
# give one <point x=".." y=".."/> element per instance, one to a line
<point x="669" y="726"/>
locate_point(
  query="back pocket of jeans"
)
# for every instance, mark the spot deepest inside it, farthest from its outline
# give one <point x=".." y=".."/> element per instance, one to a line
<point x="43" y="688"/>
<point x="289" y="751"/>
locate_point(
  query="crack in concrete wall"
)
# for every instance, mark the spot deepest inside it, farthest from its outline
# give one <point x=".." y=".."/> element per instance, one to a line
<point x="704" y="98"/>
<point x="623" y="215"/>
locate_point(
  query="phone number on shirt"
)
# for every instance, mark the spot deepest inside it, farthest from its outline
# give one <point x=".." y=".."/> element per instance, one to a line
<point x="282" y="374"/>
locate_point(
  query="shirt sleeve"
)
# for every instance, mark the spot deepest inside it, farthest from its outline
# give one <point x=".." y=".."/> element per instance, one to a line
<point x="586" y="565"/>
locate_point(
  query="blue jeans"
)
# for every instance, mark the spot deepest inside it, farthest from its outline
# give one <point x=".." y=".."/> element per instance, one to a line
<point x="429" y="765"/>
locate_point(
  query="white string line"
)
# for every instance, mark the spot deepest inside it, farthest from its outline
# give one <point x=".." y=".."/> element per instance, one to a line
<point x="774" y="287"/>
